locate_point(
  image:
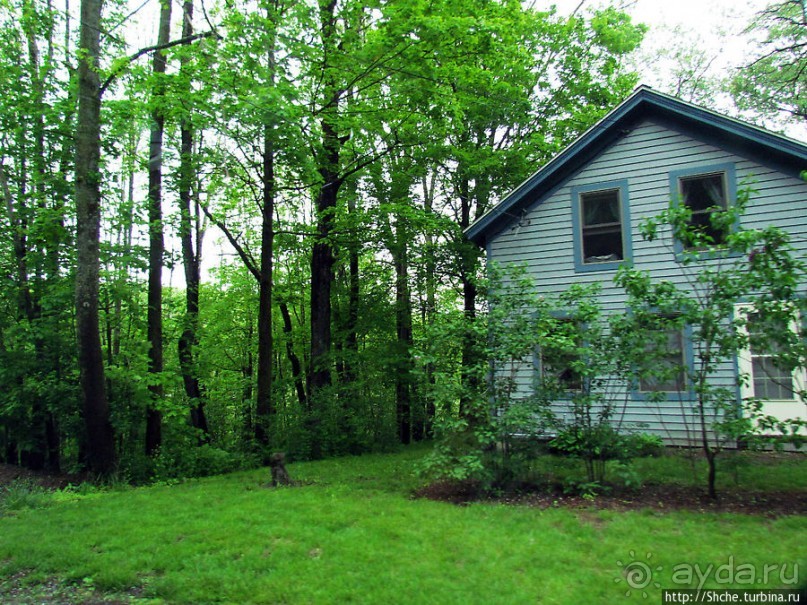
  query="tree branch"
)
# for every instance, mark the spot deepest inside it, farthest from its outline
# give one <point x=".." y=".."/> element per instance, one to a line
<point x="149" y="49"/>
<point x="246" y="257"/>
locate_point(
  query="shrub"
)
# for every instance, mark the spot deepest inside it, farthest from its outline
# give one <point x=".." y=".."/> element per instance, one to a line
<point x="21" y="494"/>
<point x="200" y="461"/>
<point x="595" y="445"/>
<point x="598" y="444"/>
<point x="644" y="445"/>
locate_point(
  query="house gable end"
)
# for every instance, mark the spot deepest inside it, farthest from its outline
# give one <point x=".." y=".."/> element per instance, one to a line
<point x="780" y="153"/>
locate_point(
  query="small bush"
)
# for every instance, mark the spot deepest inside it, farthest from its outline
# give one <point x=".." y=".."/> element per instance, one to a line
<point x="643" y="445"/>
<point x="587" y="490"/>
<point x="601" y="443"/>
<point x="21" y="494"/>
<point x="628" y="475"/>
<point x="200" y="461"/>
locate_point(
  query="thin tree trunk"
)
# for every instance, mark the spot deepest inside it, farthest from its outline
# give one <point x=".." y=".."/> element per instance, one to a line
<point x="354" y="291"/>
<point x="247" y="371"/>
<point x="99" y="445"/>
<point x="191" y="259"/>
<point x="44" y="448"/>
<point x="156" y="240"/>
<point x="296" y="366"/>
<point x="468" y="261"/>
<point x="403" y="325"/>
<point x="264" y="409"/>
<point x="35" y="453"/>
<point x="431" y="297"/>
<point x="126" y="235"/>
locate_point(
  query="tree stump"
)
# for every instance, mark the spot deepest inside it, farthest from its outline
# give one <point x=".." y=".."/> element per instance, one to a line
<point x="280" y="476"/>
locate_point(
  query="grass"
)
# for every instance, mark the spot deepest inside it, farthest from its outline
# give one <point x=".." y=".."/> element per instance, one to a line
<point x="352" y="534"/>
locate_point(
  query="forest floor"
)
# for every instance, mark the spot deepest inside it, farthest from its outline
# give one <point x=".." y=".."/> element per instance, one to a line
<point x="364" y="529"/>
<point x="10" y="473"/>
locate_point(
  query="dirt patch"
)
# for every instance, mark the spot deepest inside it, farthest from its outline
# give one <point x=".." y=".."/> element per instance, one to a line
<point x="653" y="497"/>
<point x="20" y="590"/>
<point x="10" y="473"/>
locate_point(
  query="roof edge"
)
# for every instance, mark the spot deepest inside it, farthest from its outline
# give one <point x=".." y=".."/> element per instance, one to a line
<point x="642" y="102"/>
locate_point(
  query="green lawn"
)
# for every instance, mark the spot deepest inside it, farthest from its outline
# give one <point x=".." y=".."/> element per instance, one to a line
<point x="352" y="534"/>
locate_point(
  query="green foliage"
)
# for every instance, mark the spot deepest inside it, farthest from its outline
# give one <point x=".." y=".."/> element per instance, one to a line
<point x="585" y="360"/>
<point x="588" y="490"/>
<point x="628" y="475"/>
<point x="599" y="444"/>
<point x="21" y="494"/>
<point x="200" y="461"/>
<point x="616" y="32"/>
<point x="478" y="440"/>
<point x="771" y="84"/>
<point x="641" y="445"/>
<point x="757" y="267"/>
<point x="426" y="100"/>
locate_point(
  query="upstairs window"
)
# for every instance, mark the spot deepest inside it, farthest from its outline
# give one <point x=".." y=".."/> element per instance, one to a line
<point x="601" y="222"/>
<point x="705" y="190"/>
<point x="601" y="226"/>
<point x="705" y="194"/>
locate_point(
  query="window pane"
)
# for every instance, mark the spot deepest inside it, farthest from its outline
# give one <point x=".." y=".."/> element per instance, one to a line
<point x="556" y="363"/>
<point x="603" y="246"/>
<point x="770" y="379"/>
<point x="702" y="223"/>
<point x="558" y="367"/>
<point x="703" y="192"/>
<point x="601" y="226"/>
<point x="600" y="207"/>
<point x="771" y="382"/>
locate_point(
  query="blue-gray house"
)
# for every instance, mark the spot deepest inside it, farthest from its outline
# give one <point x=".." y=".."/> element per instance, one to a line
<point x="575" y="220"/>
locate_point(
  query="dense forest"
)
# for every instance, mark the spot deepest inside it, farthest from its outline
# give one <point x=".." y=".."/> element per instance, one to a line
<point x="336" y="148"/>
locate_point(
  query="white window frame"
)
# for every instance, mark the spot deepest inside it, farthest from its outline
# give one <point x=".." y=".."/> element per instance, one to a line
<point x="782" y="409"/>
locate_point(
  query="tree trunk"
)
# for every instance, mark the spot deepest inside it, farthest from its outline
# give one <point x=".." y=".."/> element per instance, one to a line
<point x="156" y="240"/>
<point x="247" y="371"/>
<point x="322" y="262"/>
<point x="322" y="275"/>
<point x="322" y="254"/>
<point x="191" y="260"/>
<point x="264" y="409"/>
<point x="430" y="310"/>
<point x="99" y="443"/>
<point x="296" y="366"/>
<point x="351" y="348"/>
<point x="468" y="264"/>
<point x="403" y="325"/>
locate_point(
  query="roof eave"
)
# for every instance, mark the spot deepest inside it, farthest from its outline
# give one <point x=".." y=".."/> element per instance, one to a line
<point x="788" y="155"/>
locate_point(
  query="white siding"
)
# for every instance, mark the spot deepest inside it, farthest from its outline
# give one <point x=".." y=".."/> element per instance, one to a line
<point x="645" y="157"/>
